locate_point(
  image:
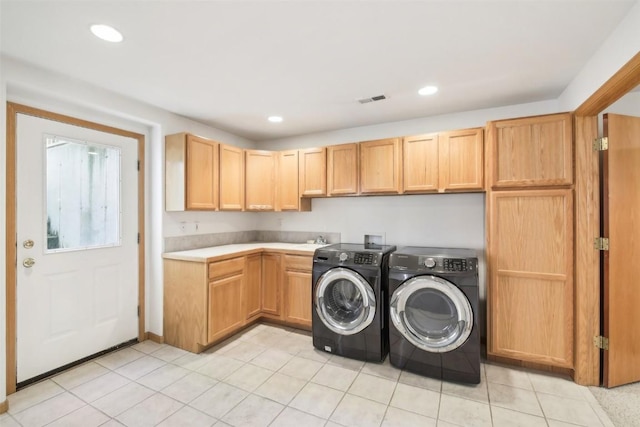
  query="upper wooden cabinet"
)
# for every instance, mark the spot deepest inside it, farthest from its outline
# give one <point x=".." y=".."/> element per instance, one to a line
<point x="531" y="151"/>
<point x="191" y="173"/>
<point x="461" y="159"/>
<point x="381" y="166"/>
<point x="342" y="169"/>
<point x="445" y="161"/>
<point x="231" y="178"/>
<point x="287" y="191"/>
<point x="312" y="172"/>
<point x="260" y="180"/>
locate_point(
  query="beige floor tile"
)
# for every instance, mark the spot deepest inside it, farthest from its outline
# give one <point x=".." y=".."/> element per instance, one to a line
<point x="317" y="400"/>
<point x="79" y="375"/>
<point x="192" y="361"/>
<point x="373" y="388"/>
<point x="150" y="412"/>
<point x="295" y="343"/>
<point x="416" y="399"/>
<point x="220" y="367"/>
<point x="119" y="358"/>
<point x="148" y="346"/>
<point x="48" y="411"/>
<point x="335" y="377"/>
<point x="384" y="370"/>
<point x="86" y="416"/>
<point x="415" y="380"/>
<point x="187" y="416"/>
<point x="510" y="376"/>
<point x="99" y="387"/>
<point x="272" y="359"/>
<point x="560" y="386"/>
<point x="400" y="418"/>
<point x="281" y="388"/>
<point x="254" y="411"/>
<point x="169" y="353"/>
<point x="556" y="423"/>
<point x="163" y="377"/>
<point x="514" y="398"/>
<point x="112" y="423"/>
<point x="219" y="400"/>
<point x="569" y="410"/>
<point x="476" y="392"/>
<point x="266" y="339"/>
<point x="245" y="351"/>
<point x="32" y="395"/>
<point x="508" y="418"/>
<point x="7" y="420"/>
<point x="189" y="387"/>
<point x="356" y="411"/>
<point x="315" y="354"/>
<point x="464" y="412"/>
<point x="345" y="362"/>
<point x="248" y="377"/>
<point x="118" y="401"/>
<point x="300" y="368"/>
<point x="291" y="417"/>
<point x="442" y="423"/>
<point x="140" y="367"/>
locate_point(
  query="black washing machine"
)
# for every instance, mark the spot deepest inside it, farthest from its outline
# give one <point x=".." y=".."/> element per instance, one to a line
<point x="434" y="309"/>
<point x="350" y="298"/>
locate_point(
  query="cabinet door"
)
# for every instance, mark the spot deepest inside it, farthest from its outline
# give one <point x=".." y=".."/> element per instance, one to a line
<point x="420" y="158"/>
<point x="313" y="172"/>
<point x="202" y="174"/>
<point x="225" y="306"/>
<point x="252" y="286"/>
<point x="288" y="194"/>
<point x="271" y="284"/>
<point x="530" y="292"/>
<point x="298" y="297"/>
<point x="231" y="178"/>
<point x="380" y="166"/>
<point x="461" y="160"/>
<point x="342" y="169"/>
<point x="260" y="180"/>
<point x="532" y="151"/>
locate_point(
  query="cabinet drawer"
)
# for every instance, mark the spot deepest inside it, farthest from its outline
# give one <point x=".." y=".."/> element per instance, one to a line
<point x="225" y="268"/>
<point x="298" y="262"/>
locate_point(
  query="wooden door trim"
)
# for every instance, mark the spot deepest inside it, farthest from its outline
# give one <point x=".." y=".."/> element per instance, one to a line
<point x="13" y="110"/>
<point x="587" y="363"/>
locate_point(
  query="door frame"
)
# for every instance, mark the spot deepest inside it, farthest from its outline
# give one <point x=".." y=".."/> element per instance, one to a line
<point x="13" y="109"/>
<point x="587" y="223"/>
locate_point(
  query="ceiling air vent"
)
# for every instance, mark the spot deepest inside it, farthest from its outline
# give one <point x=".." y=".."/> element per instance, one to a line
<point x="372" y="99"/>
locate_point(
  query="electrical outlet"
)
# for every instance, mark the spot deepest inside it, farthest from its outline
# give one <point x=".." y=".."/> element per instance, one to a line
<point x="183" y="226"/>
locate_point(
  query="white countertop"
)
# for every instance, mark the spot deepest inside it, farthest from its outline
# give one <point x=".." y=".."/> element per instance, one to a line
<point x="203" y="254"/>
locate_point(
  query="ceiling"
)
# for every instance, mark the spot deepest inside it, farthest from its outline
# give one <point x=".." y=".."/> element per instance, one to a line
<point x="231" y="64"/>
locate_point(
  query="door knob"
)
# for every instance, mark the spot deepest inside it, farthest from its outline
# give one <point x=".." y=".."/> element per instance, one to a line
<point x="28" y="262"/>
<point x="28" y="244"/>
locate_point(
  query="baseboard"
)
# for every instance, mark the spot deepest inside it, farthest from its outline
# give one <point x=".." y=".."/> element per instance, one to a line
<point x="155" y="338"/>
<point x="4" y="406"/>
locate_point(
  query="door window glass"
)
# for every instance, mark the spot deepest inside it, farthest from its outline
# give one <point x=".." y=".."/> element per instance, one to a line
<point x="82" y="194"/>
<point x="343" y="301"/>
<point x="431" y="314"/>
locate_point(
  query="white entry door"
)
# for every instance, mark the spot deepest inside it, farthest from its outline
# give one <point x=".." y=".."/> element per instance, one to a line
<point x="77" y="254"/>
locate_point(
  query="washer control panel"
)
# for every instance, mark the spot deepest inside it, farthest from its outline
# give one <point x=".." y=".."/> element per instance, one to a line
<point x="364" y="258"/>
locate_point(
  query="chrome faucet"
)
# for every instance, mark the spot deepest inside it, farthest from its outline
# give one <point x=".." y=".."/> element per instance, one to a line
<point x="320" y="240"/>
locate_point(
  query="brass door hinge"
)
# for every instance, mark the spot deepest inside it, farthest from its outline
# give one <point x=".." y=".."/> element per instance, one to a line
<point x="601" y="144"/>
<point x="601" y="342"/>
<point x="601" y="244"/>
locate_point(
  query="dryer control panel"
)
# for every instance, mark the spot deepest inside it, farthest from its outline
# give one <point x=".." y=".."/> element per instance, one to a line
<point x="433" y="263"/>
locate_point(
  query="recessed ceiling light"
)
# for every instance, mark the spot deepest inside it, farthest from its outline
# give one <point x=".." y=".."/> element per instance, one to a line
<point x="428" y="90"/>
<point x="275" y="119"/>
<point x="106" y="32"/>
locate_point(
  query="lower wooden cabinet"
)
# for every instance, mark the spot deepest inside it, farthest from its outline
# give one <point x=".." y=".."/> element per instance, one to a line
<point x="225" y="306"/>
<point x="297" y="289"/>
<point x="271" y="285"/>
<point x="530" y="289"/>
<point x="251" y="297"/>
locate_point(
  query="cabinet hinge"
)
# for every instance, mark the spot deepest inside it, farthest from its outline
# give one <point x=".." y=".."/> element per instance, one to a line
<point x="601" y="342"/>
<point x="138" y="238"/>
<point x="601" y="244"/>
<point x="601" y="144"/>
<point x="138" y="311"/>
<point x="138" y="165"/>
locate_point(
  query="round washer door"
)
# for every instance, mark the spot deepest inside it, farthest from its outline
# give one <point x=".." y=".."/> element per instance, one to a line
<point x="431" y="313"/>
<point x="344" y="301"/>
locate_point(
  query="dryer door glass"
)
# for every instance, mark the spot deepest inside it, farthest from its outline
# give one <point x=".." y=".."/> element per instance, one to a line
<point x="344" y="301"/>
<point x="432" y="313"/>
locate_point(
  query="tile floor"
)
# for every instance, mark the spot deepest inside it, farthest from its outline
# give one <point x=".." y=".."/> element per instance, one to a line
<point x="271" y="376"/>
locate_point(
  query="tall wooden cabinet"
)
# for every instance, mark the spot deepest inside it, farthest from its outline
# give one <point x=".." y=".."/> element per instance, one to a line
<point x="342" y="169"/>
<point x="530" y="240"/>
<point x="191" y="173"/>
<point x="260" y="180"/>
<point x="231" y="178"/>
<point x="381" y="166"/>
